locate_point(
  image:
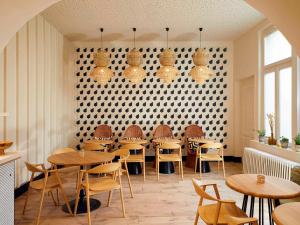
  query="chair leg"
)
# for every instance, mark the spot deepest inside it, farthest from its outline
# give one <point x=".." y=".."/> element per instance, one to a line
<point x="51" y="193"/>
<point x="200" y="169"/>
<point x="65" y="199"/>
<point x="88" y="205"/>
<point x="157" y="170"/>
<point x="26" y="200"/>
<point x="57" y="197"/>
<point x="129" y="182"/>
<point x="223" y="169"/>
<point x="144" y="169"/>
<point x="216" y="191"/>
<point x="196" y="163"/>
<point x="41" y="206"/>
<point x="109" y="198"/>
<point x="196" y="218"/>
<point x="181" y="169"/>
<point x="122" y="201"/>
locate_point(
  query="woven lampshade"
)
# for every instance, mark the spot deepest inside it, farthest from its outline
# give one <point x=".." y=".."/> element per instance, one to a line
<point x="200" y="72"/>
<point x="101" y="73"/>
<point x="167" y="72"/>
<point x="134" y="72"/>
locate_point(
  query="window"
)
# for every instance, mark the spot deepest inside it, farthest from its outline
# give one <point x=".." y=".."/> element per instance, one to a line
<point x="277" y="83"/>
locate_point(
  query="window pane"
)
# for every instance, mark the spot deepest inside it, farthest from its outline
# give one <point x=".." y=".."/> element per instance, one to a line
<point x="269" y="98"/>
<point x="276" y="48"/>
<point x="285" y="102"/>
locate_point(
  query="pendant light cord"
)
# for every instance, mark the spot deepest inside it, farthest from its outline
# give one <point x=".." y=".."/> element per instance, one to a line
<point x="101" y="30"/>
<point x="167" y="29"/>
<point x="200" y="29"/>
<point x="134" y="30"/>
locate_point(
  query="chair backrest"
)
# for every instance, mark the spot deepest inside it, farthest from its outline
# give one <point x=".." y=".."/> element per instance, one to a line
<point x="199" y="190"/>
<point x="133" y="146"/>
<point x="33" y="168"/>
<point x="169" y="145"/>
<point x="63" y="150"/>
<point x="133" y="131"/>
<point x="213" y="145"/>
<point x="103" y="131"/>
<point x="193" y="131"/>
<point x="105" y="168"/>
<point x="93" y="146"/>
<point x="162" y="131"/>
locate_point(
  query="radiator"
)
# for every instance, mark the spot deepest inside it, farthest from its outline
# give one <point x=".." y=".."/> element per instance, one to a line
<point x="258" y="162"/>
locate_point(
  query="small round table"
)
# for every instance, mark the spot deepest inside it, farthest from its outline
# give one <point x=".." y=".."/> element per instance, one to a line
<point x="166" y="167"/>
<point x="205" y="168"/>
<point x="82" y="158"/>
<point x="134" y="168"/>
<point x="274" y="188"/>
<point x="287" y="214"/>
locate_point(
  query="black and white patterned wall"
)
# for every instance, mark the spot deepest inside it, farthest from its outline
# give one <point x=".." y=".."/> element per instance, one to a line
<point x="150" y="103"/>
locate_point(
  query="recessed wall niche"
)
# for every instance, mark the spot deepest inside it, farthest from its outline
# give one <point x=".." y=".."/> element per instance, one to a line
<point x="150" y="103"/>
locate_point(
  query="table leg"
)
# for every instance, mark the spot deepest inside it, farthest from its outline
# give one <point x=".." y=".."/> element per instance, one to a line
<point x="245" y="202"/>
<point x="252" y="206"/>
<point x="270" y="207"/>
<point x="261" y="211"/>
<point x="94" y="204"/>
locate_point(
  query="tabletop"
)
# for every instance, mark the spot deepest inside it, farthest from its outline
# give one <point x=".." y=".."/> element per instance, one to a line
<point x="162" y="140"/>
<point x="80" y="158"/>
<point x="273" y="188"/>
<point x="287" y="214"/>
<point x="201" y="140"/>
<point x="101" y="142"/>
<point x="134" y="141"/>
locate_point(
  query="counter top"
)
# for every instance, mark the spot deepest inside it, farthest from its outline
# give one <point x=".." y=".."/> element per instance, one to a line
<point x="289" y="154"/>
<point x="8" y="157"/>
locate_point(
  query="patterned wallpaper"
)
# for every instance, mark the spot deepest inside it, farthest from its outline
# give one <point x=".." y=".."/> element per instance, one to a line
<point x="151" y="102"/>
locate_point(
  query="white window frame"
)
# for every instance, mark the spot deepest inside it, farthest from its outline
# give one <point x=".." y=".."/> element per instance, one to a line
<point x="276" y="67"/>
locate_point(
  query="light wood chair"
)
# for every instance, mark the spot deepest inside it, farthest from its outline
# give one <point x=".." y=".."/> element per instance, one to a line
<point x="221" y="212"/>
<point x="124" y="155"/>
<point x="173" y="157"/>
<point x="139" y="158"/>
<point x="66" y="172"/>
<point x="216" y="156"/>
<point x="51" y="181"/>
<point x="134" y="131"/>
<point x="98" y="185"/>
<point x="94" y="146"/>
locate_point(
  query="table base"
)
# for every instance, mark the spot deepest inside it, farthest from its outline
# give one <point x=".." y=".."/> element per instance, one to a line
<point x="134" y="168"/>
<point x="166" y="167"/>
<point x="94" y="204"/>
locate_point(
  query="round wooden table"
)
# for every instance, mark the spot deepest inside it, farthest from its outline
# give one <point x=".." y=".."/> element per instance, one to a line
<point x="287" y="214"/>
<point x="166" y="167"/>
<point x="81" y="158"/>
<point x="274" y="188"/>
<point x="205" y="168"/>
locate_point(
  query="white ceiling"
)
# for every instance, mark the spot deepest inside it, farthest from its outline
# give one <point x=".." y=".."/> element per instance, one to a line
<point x="222" y="20"/>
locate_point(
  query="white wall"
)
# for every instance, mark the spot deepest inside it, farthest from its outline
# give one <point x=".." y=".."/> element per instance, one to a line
<point x="32" y="90"/>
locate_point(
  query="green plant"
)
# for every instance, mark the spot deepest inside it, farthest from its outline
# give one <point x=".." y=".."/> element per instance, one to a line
<point x="261" y="133"/>
<point x="284" y="139"/>
<point x="297" y="139"/>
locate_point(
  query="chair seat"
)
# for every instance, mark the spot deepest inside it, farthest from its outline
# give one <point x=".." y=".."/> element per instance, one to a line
<point x="169" y="157"/>
<point x="210" y="157"/>
<point x="39" y="184"/>
<point x="283" y="201"/>
<point x="135" y="158"/>
<point x="102" y="184"/>
<point x="207" y="213"/>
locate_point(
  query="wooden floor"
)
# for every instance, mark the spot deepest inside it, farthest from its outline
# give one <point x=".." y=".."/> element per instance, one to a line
<point x="168" y="202"/>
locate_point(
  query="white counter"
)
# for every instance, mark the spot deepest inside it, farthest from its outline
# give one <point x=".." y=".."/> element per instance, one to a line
<point x="8" y="157"/>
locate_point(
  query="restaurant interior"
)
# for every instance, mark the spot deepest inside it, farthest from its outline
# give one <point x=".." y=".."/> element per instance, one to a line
<point x="149" y="112"/>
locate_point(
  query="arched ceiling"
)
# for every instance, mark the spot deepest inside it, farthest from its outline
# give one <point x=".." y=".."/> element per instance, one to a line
<point x="222" y="20"/>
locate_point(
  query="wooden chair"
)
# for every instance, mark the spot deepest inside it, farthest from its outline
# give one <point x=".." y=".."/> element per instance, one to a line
<point x="139" y="158"/>
<point x="94" y="146"/>
<point x="104" y="132"/>
<point x="124" y="155"/>
<point x="221" y="212"/>
<point x="134" y="131"/>
<point x="162" y="131"/>
<point x="45" y="185"/>
<point x="98" y="185"/>
<point x="192" y="131"/>
<point x="217" y="156"/>
<point x="65" y="172"/>
<point x="173" y="157"/>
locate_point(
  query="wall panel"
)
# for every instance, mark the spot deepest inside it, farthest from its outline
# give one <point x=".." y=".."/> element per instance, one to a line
<point x="2" y="89"/>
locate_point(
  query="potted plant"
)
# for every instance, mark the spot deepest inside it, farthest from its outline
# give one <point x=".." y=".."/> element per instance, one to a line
<point x="261" y="135"/>
<point x="284" y="142"/>
<point x="297" y="142"/>
<point x="271" y="119"/>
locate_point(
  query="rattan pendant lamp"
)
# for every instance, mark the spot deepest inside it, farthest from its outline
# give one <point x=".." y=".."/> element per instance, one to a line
<point x="167" y="72"/>
<point x="134" y="73"/>
<point x="200" y="72"/>
<point x="101" y="73"/>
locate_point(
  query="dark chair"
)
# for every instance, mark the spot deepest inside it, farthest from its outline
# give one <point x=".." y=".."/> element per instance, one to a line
<point x="192" y="131"/>
<point x="134" y="131"/>
<point x="104" y="132"/>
